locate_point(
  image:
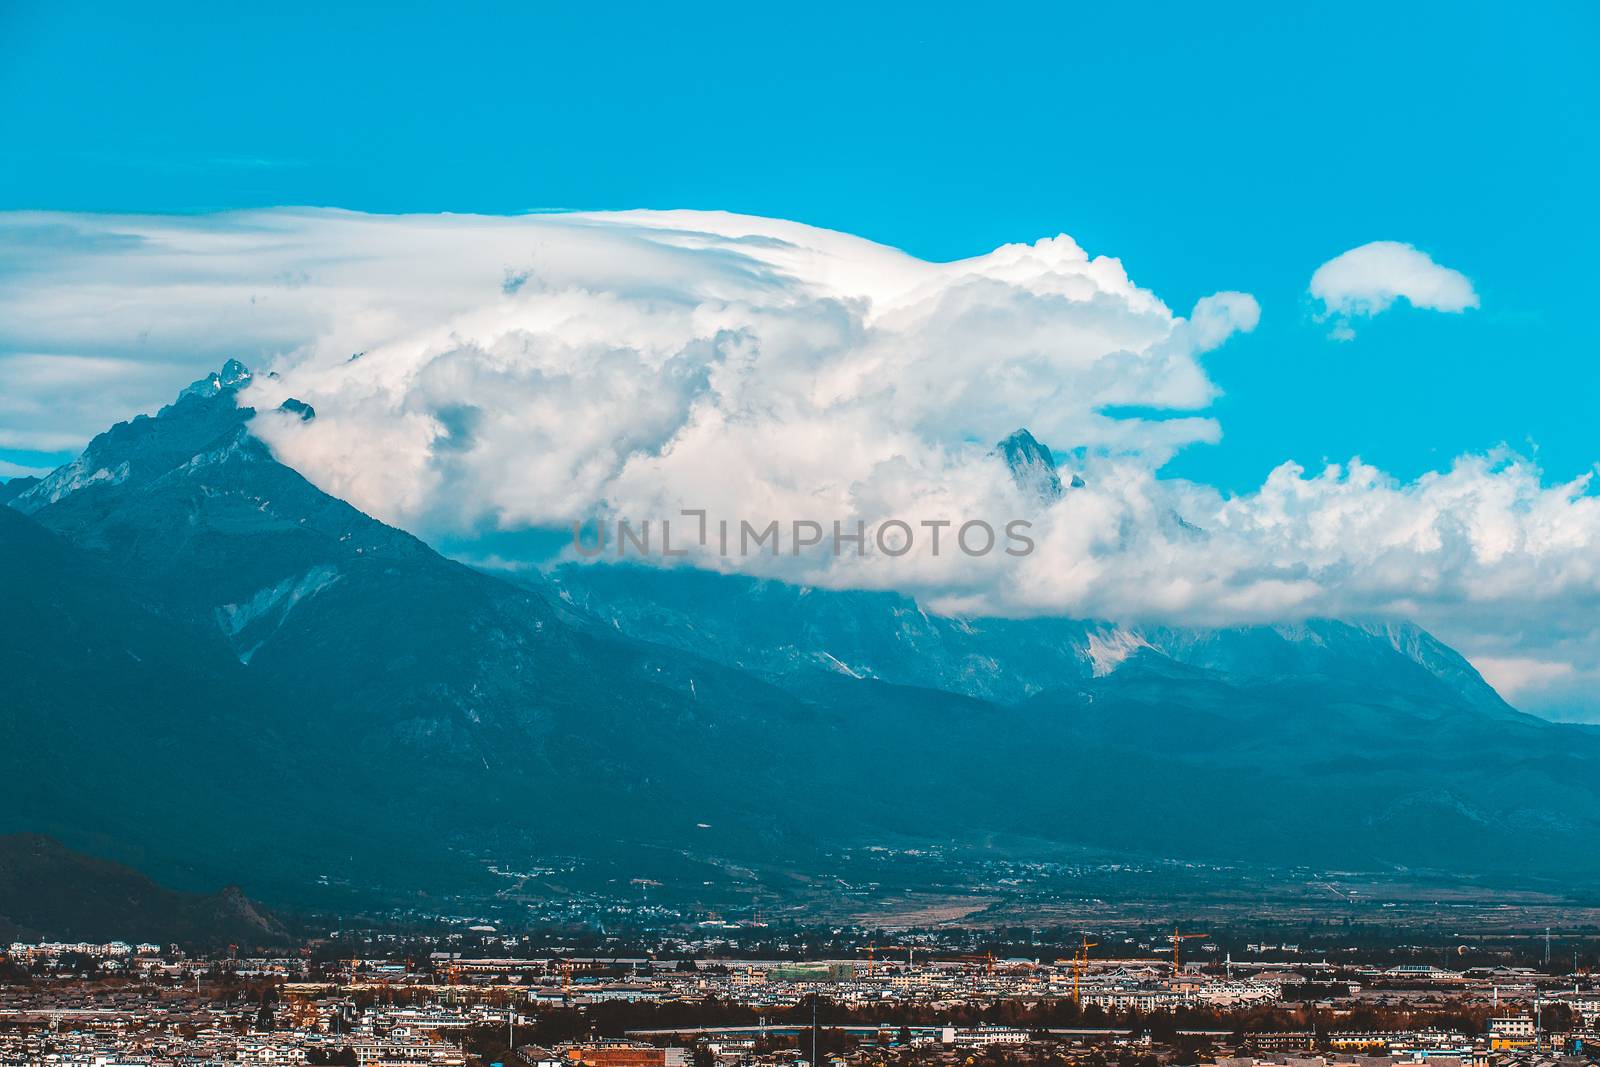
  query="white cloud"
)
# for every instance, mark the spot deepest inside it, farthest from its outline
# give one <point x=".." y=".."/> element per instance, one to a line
<point x="54" y="401"/>
<point x="1366" y="281"/>
<point x="519" y="372"/>
<point x="1515" y="675"/>
<point x="16" y="470"/>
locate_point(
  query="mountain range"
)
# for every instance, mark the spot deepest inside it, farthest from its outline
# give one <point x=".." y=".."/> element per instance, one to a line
<point x="218" y="672"/>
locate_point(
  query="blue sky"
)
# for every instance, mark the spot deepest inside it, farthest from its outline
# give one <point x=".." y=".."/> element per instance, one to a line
<point x="1209" y="146"/>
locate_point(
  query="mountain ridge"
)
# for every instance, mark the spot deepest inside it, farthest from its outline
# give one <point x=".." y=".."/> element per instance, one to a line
<point x="356" y="717"/>
<point x="50" y="892"/>
<point x="890" y="637"/>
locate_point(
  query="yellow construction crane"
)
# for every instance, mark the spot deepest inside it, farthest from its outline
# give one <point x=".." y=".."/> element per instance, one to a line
<point x="1178" y="938"/>
<point x="1080" y="963"/>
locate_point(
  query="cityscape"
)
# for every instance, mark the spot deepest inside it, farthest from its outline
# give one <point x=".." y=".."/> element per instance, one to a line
<point x="612" y="534"/>
<point x="700" y="997"/>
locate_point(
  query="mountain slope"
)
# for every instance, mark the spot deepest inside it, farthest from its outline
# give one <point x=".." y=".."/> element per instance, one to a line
<point x="246" y="678"/>
<point x="1326" y="771"/>
<point x="780" y="630"/>
<point x="119" y="718"/>
<point x="376" y="693"/>
<point x="132" y="730"/>
<point x="1317" y="743"/>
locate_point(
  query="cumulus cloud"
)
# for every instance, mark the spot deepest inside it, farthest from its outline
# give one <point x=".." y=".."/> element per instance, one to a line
<point x="474" y="374"/>
<point x="1366" y="281"/>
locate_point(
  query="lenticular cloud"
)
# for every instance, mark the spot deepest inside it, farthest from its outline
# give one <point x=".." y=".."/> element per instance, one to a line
<point x="645" y="362"/>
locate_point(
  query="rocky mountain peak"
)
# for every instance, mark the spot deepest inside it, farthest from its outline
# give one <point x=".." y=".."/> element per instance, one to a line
<point x="1032" y="466"/>
<point x="233" y="375"/>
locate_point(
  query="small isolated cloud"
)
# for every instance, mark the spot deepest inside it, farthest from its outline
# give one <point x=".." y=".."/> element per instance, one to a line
<point x="1366" y="281"/>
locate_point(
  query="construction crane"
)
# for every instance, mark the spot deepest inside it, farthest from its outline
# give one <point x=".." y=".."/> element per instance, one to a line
<point x="1080" y="963"/>
<point x="1178" y="938"/>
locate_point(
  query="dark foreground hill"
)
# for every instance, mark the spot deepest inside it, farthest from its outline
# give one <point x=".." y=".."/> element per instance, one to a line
<point x="49" y="892"/>
<point x="218" y="672"/>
